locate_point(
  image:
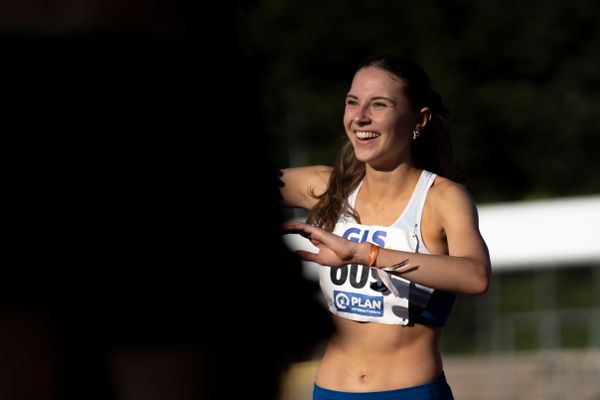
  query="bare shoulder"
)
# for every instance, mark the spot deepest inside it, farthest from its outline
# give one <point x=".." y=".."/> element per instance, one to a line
<point x="446" y="188"/>
<point x="312" y="175"/>
<point x="300" y="183"/>
<point x="448" y="198"/>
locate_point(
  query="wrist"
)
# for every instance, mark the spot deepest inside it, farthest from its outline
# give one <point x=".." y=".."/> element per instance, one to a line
<point x="361" y="253"/>
<point x="372" y="253"/>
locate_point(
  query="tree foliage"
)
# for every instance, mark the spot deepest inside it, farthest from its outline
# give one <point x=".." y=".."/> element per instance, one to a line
<point x="520" y="78"/>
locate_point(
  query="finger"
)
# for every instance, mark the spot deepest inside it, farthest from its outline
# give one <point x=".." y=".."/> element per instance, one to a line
<point x="400" y="268"/>
<point x="289" y="226"/>
<point x="307" y="255"/>
<point x="294" y="227"/>
<point x="315" y="242"/>
<point x="402" y="265"/>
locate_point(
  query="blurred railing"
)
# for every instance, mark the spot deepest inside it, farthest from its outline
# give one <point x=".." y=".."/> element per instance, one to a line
<point x="546" y="328"/>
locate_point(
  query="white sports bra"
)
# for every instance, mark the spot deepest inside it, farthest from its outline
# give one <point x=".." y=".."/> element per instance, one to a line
<point x="357" y="292"/>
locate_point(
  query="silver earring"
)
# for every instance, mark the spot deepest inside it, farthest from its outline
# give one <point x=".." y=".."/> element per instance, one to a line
<point x="416" y="133"/>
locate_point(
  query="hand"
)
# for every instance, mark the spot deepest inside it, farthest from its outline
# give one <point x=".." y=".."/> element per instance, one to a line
<point x="334" y="250"/>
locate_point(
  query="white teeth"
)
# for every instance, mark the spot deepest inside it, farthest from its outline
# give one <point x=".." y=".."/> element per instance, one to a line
<point x="366" y="135"/>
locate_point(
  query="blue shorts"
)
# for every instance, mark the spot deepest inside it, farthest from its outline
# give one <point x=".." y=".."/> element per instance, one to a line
<point x="437" y="389"/>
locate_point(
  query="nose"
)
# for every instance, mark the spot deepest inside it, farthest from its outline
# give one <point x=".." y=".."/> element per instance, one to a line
<point x="361" y="116"/>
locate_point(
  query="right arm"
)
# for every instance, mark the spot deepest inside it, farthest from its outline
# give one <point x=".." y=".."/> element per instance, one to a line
<point x="300" y="182"/>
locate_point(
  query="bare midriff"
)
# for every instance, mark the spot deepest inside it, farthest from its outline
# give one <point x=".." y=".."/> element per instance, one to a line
<point x="369" y="357"/>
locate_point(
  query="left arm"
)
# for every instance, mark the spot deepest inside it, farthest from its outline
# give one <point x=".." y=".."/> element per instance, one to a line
<point x="465" y="269"/>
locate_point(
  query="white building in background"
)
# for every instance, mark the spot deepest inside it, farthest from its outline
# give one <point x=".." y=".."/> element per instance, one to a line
<point x="558" y="232"/>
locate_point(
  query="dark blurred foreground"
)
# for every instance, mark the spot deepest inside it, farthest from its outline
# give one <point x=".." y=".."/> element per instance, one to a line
<point x="141" y="250"/>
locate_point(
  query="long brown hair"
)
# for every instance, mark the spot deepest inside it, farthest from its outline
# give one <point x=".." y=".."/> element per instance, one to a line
<point x="432" y="150"/>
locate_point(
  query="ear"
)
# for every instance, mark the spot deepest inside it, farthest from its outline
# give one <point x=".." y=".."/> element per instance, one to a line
<point x="423" y="117"/>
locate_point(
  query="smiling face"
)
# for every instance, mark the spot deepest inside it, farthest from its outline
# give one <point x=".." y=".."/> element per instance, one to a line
<point x="379" y="119"/>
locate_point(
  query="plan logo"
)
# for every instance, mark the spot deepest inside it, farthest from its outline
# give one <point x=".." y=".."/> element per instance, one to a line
<point x="356" y="303"/>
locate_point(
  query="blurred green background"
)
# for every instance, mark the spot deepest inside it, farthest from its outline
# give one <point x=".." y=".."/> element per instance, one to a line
<point x="520" y="78"/>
